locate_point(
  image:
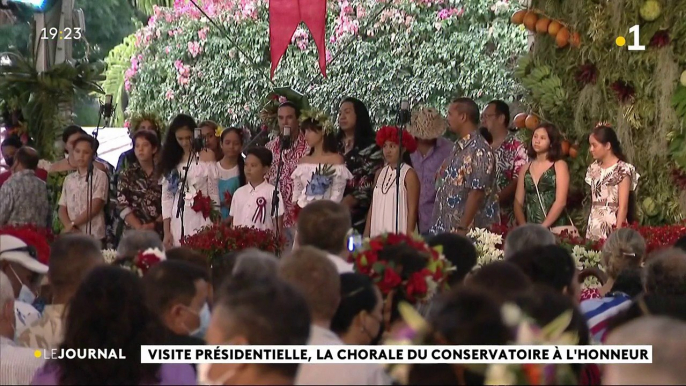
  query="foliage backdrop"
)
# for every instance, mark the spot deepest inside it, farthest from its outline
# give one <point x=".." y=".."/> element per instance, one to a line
<point x="424" y="50"/>
<point x="631" y="90"/>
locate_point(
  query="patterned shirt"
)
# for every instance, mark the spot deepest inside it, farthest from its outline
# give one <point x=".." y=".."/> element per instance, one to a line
<point x="299" y="149"/>
<point x="75" y="198"/>
<point x="426" y="167"/>
<point x="139" y="194"/>
<point x="47" y="332"/>
<point x="24" y="200"/>
<point x="510" y="157"/>
<point x="471" y="167"/>
<point x="362" y="161"/>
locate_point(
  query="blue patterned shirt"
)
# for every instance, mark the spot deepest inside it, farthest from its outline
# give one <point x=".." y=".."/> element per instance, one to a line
<point x="470" y="167"/>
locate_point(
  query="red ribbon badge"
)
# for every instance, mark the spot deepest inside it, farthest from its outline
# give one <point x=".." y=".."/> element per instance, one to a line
<point x="284" y="17"/>
<point x="261" y="211"/>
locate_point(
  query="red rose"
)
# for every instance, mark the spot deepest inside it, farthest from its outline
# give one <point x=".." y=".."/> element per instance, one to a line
<point x="390" y="280"/>
<point x="393" y="239"/>
<point x="375" y="245"/>
<point x="416" y="285"/>
<point x="144" y="262"/>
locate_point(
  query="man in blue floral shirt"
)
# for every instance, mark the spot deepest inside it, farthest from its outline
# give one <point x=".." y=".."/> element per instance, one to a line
<point x="465" y="195"/>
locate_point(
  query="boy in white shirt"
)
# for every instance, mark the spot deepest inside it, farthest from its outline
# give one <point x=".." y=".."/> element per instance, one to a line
<point x="251" y="205"/>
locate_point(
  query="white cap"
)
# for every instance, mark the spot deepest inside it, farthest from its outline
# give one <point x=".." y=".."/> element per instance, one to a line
<point x="22" y="256"/>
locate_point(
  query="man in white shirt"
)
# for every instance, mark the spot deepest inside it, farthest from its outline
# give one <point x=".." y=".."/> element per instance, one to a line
<point x="326" y="225"/>
<point x="312" y="273"/>
<point x="17" y="364"/>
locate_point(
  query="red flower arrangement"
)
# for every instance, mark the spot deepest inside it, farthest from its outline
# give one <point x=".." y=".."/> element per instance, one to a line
<point x="227" y="199"/>
<point x="143" y="261"/>
<point x="660" y="39"/>
<point x="624" y="91"/>
<point x="39" y="238"/>
<point x="658" y="237"/>
<point x="202" y="204"/>
<point x="587" y="74"/>
<point x="218" y="239"/>
<point x="390" y="134"/>
<point x="388" y="273"/>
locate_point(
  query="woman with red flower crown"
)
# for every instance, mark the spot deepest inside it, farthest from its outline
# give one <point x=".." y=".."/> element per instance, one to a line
<point x="200" y="190"/>
<point x="385" y="197"/>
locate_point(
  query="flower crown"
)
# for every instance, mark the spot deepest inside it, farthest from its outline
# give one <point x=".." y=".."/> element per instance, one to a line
<point x="419" y="286"/>
<point x="603" y="123"/>
<point x="137" y="118"/>
<point x="321" y="118"/>
<point x="390" y="133"/>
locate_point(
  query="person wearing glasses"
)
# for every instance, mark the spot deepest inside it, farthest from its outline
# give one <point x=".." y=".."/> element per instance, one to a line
<point x="20" y="263"/>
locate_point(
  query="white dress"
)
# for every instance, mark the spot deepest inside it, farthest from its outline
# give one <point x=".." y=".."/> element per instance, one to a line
<point x="383" y="202"/>
<point x="201" y="178"/>
<point x="313" y="182"/>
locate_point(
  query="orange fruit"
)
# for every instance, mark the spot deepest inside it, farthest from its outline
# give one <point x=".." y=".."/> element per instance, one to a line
<point x="518" y="17"/>
<point x="530" y="20"/>
<point x="575" y="40"/>
<point x="573" y="152"/>
<point x="532" y="122"/>
<point x="565" y="147"/>
<point x="520" y="120"/>
<point x="554" y="27"/>
<point x="542" y="25"/>
<point x="562" y="37"/>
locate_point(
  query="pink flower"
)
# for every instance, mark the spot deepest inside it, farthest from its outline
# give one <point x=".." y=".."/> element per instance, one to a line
<point x="194" y="48"/>
<point x="329" y="57"/>
<point x="127" y="123"/>
<point x="202" y="34"/>
<point x="167" y="49"/>
<point x="246" y="107"/>
<point x="169" y="95"/>
<point x="283" y="99"/>
<point x="127" y="85"/>
<point x="361" y="12"/>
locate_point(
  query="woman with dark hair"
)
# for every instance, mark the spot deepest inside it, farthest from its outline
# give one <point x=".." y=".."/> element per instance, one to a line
<point x="550" y="265"/>
<point x="358" y="320"/>
<point x="320" y="175"/>
<point x="543" y="183"/>
<point x="200" y="184"/>
<point x="142" y="122"/>
<point x="357" y="144"/>
<point x="108" y="312"/>
<point x="612" y="179"/>
<point x="211" y="133"/>
<point x="139" y="194"/>
<point x="231" y="168"/>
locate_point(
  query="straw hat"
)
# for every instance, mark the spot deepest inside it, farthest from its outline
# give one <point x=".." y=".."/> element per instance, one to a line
<point x="427" y="123"/>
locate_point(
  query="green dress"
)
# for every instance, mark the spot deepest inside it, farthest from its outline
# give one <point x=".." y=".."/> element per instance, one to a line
<point x="546" y="188"/>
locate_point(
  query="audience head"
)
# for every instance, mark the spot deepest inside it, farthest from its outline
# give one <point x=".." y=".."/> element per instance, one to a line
<point x="681" y="243"/>
<point x="625" y="248"/>
<point x="359" y="319"/>
<point x="255" y="311"/>
<point x="546" y="140"/>
<point x="177" y="142"/>
<point x="70" y="135"/>
<point x="257" y="163"/>
<point x="527" y="236"/>
<point x="221" y="269"/>
<point x="26" y="158"/>
<point x="189" y="256"/>
<point x="145" y="122"/>
<point x="9" y="147"/>
<point x="20" y="263"/>
<point x="72" y="258"/>
<point x="108" y="312"/>
<point x="463" y="116"/>
<point x="496" y="116"/>
<point x="135" y="241"/>
<point x="628" y="282"/>
<point x="253" y="263"/>
<point x="146" y="145"/>
<point x="325" y="225"/>
<point x="84" y="151"/>
<point x="550" y="265"/>
<point x="668" y="339"/>
<point x="177" y="292"/>
<point x="461" y="253"/>
<point x="502" y="279"/>
<point x="7" y="318"/>
<point x="353" y="118"/>
<point x="311" y="272"/>
<point x="665" y="274"/>
<point x="646" y="305"/>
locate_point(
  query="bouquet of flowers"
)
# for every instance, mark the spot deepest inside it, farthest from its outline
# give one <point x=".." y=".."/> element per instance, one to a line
<point x="110" y="255"/>
<point x="143" y="261"/>
<point x="218" y="239"/>
<point x="418" y="281"/>
<point x="38" y="238"/>
<point x="488" y="246"/>
<point x="658" y="237"/>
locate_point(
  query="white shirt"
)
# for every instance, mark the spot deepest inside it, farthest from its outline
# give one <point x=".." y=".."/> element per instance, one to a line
<point x="17" y="364"/>
<point x="342" y="266"/>
<point x="252" y="206"/>
<point x="338" y="374"/>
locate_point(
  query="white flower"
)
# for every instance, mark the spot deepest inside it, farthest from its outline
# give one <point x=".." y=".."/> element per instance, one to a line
<point x="499" y="375"/>
<point x="511" y="314"/>
<point x="154" y="251"/>
<point x="110" y="255"/>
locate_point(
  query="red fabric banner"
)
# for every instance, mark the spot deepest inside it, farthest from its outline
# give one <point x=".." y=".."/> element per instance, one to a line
<point x="284" y="17"/>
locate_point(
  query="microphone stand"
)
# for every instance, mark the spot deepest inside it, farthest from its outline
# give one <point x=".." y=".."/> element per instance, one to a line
<point x="181" y="207"/>
<point x="89" y="177"/>
<point x="275" y="194"/>
<point x="397" y="178"/>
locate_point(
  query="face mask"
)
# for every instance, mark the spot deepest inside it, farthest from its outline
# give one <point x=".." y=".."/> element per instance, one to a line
<point x="25" y="294"/>
<point x="204" y="316"/>
<point x="203" y="371"/>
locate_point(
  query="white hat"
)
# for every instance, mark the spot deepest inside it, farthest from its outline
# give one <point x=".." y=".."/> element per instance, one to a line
<point x="14" y="250"/>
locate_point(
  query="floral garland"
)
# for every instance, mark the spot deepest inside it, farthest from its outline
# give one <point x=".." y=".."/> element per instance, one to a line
<point x="387" y="274"/>
<point x="320" y="118"/>
<point x="38" y="238"/>
<point x="488" y="246"/>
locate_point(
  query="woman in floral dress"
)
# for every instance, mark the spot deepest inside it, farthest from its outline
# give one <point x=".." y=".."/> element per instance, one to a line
<point x="321" y="175"/>
<point x="612" y="180"/>
<point x="200" y="191"/>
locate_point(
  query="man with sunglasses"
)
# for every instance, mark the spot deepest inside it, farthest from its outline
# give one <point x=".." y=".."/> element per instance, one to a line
<point x="20" y="263"/>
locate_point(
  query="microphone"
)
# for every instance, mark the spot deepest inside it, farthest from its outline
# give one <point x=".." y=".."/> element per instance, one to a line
<point x="259" y="135"/>
<point x="286" y="138"/>
<point x="108" y="108"/>
<point x="404" y="114"/>
<point x="198" y="141"/>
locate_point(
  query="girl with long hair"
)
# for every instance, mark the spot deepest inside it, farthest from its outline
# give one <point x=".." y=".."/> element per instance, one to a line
<point x="211" y="133"/>
<point x="612" y="179"/>
<point x="543" y="183"/>
<point x="231" y="168"/>
<point x="200" y="185"/>
<point x="357" y="144"/>
<point x="320" y="175"/>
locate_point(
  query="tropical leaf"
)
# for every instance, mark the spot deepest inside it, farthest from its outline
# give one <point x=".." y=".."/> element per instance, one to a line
<point x="146" y="6"/>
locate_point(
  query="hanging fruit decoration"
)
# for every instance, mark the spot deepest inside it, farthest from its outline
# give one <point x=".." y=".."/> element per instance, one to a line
<point x="650" y="10"/>
<point x="530" y="20"/>
<point x="575" y="40"/>
<point x="565" y="145"/>
<point x="532" y="122"/>
<point x="562" y="37"/>
<point x="554" y="28"/>
<point x="573" y="151"/>
<point x="542" y="24"/>
<point x="520" y="120"/>
<point x="518" y="17"/>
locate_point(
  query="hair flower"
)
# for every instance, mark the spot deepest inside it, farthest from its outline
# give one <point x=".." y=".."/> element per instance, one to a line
<point x="146" y="259"/>
<point x="319" y="118"/>
<point x="390" y="134"/>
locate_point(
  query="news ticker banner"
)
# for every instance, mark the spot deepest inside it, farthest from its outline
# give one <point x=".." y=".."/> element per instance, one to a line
<point x="397" y="354"/>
